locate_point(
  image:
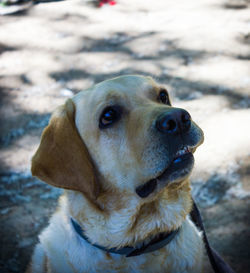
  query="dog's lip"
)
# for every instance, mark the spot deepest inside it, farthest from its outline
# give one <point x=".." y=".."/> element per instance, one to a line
<point x="179" y="168"/>
<point x="184" y="150"/>
<point x="183" y="154"/>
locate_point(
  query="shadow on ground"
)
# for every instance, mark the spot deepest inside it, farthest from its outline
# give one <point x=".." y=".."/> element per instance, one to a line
<point x="30" y="93"/>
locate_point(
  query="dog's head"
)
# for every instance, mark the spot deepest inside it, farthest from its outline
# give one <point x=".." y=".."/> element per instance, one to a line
<point x="121" y="136"/>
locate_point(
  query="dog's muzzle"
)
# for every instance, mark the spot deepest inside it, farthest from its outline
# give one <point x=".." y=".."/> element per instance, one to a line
<point x="174" y="122"/>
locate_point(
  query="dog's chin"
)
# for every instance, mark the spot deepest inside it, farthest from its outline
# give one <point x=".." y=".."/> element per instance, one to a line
<point x="178" y="170"/>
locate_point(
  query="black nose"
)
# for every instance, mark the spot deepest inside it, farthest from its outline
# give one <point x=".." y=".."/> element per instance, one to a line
<point x="174" y="121"/>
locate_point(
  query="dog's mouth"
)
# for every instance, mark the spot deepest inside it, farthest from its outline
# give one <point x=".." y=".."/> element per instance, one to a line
<point x="180" y="166"/>
<point x="178" y="169"/>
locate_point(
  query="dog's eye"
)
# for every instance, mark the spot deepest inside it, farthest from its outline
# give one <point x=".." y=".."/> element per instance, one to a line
<point x="163" y="97"/>
<point x="109" y="116"/>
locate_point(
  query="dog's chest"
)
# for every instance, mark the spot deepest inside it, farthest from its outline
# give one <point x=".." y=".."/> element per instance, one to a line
<point x="156" y="262"/>
<point x="153" y="262"/>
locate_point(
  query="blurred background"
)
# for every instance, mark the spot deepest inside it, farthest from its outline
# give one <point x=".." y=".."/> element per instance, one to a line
<point x="200" y="49"/>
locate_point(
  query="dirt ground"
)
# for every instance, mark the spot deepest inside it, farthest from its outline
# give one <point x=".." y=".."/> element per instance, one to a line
<point x="199" y="49"/>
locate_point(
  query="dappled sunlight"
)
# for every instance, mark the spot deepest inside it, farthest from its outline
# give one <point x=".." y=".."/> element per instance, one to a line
<point x="198" y="49"/>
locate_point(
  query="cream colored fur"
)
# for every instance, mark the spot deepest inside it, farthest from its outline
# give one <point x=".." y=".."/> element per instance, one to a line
<point x="118" y="216"/>
<point x="67" y="253"/>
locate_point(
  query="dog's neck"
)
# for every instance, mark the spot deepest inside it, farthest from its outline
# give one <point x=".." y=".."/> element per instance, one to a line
<point x="149" y="245"/>
<point x="128" y="222"/>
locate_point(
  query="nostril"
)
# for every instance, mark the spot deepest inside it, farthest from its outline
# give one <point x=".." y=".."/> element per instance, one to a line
<point x="185" y="117"/>
<point x="170" y="126"/>
<point x="166" y="124"/>
<point x="186" y="121"/>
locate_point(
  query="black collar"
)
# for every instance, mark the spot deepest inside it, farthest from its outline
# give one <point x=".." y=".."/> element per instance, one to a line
<point x="161" y="240"/>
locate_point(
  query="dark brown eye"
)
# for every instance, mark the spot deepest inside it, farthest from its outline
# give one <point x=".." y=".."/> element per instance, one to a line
<point x="109" y="116"/>
<point x="163" y="97"/>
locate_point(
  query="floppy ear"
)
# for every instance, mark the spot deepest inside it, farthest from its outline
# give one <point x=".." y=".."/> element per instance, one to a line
<point x="62" y="158"/>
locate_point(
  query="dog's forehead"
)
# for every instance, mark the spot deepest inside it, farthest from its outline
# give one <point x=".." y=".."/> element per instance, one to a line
<point x="127" y="88"/>
<point x="118" y="88"/>
<point x="130" y="85"/>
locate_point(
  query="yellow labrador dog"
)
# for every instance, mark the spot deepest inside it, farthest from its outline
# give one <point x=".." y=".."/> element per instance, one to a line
<point x="124" y="155"/>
